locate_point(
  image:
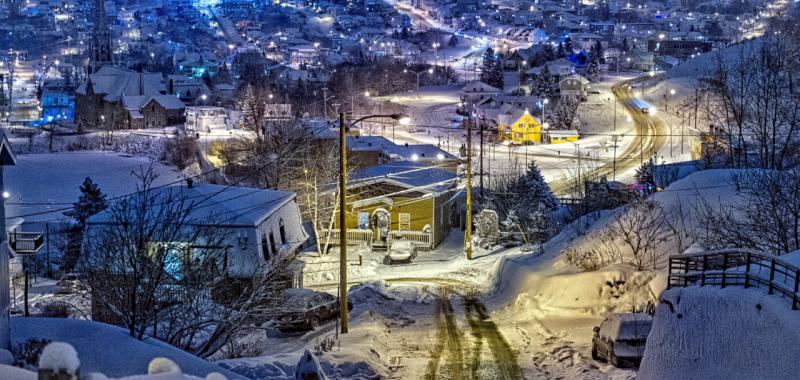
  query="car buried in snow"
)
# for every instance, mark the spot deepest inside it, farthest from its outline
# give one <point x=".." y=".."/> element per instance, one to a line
<point x="306" y="309"/>
<point x="401" y="251"/>
<point x="620" y="339"/>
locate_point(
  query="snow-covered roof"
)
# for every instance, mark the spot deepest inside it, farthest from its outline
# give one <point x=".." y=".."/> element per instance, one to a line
<point x="229" y="206"/>
<point x="409" y="174"/>
<point x="114" y="82"/>
<point x="169" y="102"/>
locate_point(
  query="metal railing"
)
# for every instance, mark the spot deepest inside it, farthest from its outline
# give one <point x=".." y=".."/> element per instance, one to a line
<point x="420" y="239"/>
<point x="736" y="267"/>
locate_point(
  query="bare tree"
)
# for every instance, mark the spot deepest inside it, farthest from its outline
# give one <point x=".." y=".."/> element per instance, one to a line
<point x="767" y="217"/>
<point x="640" y="228"/>
<point x="754" y="102"/>
<point x="157" y="264"/>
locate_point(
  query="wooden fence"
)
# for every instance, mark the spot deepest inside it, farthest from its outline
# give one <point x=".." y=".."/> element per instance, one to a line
<point x="736" y="267"/>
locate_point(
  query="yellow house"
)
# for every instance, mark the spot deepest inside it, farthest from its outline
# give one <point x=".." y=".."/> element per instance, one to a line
<point x="563" y="136"/>
<point x="519" y="126"/>
<point x="400" y="200"/>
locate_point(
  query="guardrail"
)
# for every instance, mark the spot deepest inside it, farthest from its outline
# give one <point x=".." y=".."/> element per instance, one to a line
<point x="736" y="267"/>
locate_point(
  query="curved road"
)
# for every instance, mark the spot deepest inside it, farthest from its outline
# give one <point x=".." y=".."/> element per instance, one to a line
<point x="650" y="138"/>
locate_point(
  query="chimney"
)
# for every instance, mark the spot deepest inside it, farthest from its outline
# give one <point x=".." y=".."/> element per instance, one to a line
<point x="189" y="183"/>
<point x="171" y="87"/>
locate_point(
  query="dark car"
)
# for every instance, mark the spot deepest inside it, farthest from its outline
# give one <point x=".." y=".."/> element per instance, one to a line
<point x="306" y="309"/>
<point x="621" y="338"/>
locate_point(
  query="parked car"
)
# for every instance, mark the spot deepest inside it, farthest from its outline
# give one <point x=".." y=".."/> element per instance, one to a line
<point x="621" y="338"/>
<point x="69" y="283"/>
<point x="306" y="309"/>
<point x="401" y="251"/>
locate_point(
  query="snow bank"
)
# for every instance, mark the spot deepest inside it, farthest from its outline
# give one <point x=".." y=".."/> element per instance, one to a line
<point x="9" y="372"/>
<point x="109" y="349"/>
<point x="713" y="333"/>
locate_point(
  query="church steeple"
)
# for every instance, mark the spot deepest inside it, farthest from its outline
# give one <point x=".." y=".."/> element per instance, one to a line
<point x="101" y="38"/>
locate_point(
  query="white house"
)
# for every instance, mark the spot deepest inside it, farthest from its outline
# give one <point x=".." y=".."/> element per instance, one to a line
<point x="206" y="119"/>
<point x="477" y="92"/>
<point x="258" y="225"/>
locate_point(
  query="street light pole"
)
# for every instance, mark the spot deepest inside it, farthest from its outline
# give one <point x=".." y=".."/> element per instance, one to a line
<point x="342" y="224"/>
<point x="343" y="309"/>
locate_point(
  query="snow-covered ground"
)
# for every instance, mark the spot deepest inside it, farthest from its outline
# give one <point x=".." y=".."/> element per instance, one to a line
<point x="40" y="186"/>
<point x="109" y="349"/>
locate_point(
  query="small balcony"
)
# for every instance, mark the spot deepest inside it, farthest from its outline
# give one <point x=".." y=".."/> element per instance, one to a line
<point x="25" y="243"/>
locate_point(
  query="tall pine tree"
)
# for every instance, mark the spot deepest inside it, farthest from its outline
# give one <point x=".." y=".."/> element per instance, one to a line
<point x="91" y="201"/>
<point x="534" y="201"/>
<point x="492" y="69"/>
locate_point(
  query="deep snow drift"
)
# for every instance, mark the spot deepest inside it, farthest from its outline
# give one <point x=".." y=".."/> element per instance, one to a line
<point x="731" y="333"/>
<point x="109" y="349"/>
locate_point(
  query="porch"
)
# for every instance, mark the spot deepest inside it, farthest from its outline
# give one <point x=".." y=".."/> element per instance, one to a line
<point x="422" y="240"/>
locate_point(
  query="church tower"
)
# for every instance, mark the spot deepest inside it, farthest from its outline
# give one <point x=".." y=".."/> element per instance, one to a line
<point x="101" y="38"/>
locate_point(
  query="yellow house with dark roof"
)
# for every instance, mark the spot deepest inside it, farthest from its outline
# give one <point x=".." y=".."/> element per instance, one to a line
<point x="519" y="126"/>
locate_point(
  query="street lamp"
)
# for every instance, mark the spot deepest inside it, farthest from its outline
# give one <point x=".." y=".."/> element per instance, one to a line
<point x="429" y="71"/>
<point x="403" y="119"/>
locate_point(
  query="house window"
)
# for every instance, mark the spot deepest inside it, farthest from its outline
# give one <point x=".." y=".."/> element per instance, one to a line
<point x="282" y="231"/>
<point x="518" y="135"/>
<point x="404" y="221"/>
<point x="272" y="243"/>
<point x="264" y="248"/>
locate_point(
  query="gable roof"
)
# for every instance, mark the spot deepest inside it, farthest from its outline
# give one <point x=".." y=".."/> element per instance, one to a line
<point x="228" y="206"/>
<point x="114" y="82"/>
<point x="169" y="102"/>
<point x="479" y="87"/>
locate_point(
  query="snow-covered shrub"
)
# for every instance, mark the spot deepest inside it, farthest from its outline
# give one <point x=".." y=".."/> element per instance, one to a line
<point x="586" y="260"/>
<point x="26" y="354"/>
<point x="181" y="151"/>
<point x="55" y="309"/>
<point x="161" y="365"/>
<point x="60" y="358"/>
<point x="308" y="368"/>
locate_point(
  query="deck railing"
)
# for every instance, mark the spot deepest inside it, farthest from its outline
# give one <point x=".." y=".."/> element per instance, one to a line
<point x="736" y="267"/>
<point x="26" y="242"/>
<point x="421" y="239"/>
<point x="354" y="237"/>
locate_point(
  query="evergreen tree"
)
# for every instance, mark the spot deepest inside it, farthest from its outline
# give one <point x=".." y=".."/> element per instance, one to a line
<point x="453" y="41"/>
<point x="561" y="52"/>
<point x="593" y="68"/>
<point x="568" y="49"/>
<point x="492" y="69"/>
<point x="599" y="51"/>
<point x="563" y="116"/>
<point x="535" y="202"/>
<point x="548" y="52"/>
<point x="545" y="84"/>
<point x="91" y="201"/>
<point x="644" y="175"/>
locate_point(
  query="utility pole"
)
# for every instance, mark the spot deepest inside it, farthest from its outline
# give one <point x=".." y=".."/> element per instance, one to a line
<point x="325" y="104"/>
<point x="480" y="166"/>
<point x="342" y="223"/>
<point x="468" y="232"/>
<point x="615" y="112"/>
<point x="614" y="141"/>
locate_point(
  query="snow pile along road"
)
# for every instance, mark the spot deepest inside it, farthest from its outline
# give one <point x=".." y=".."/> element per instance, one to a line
<point x="713" y="333"/>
